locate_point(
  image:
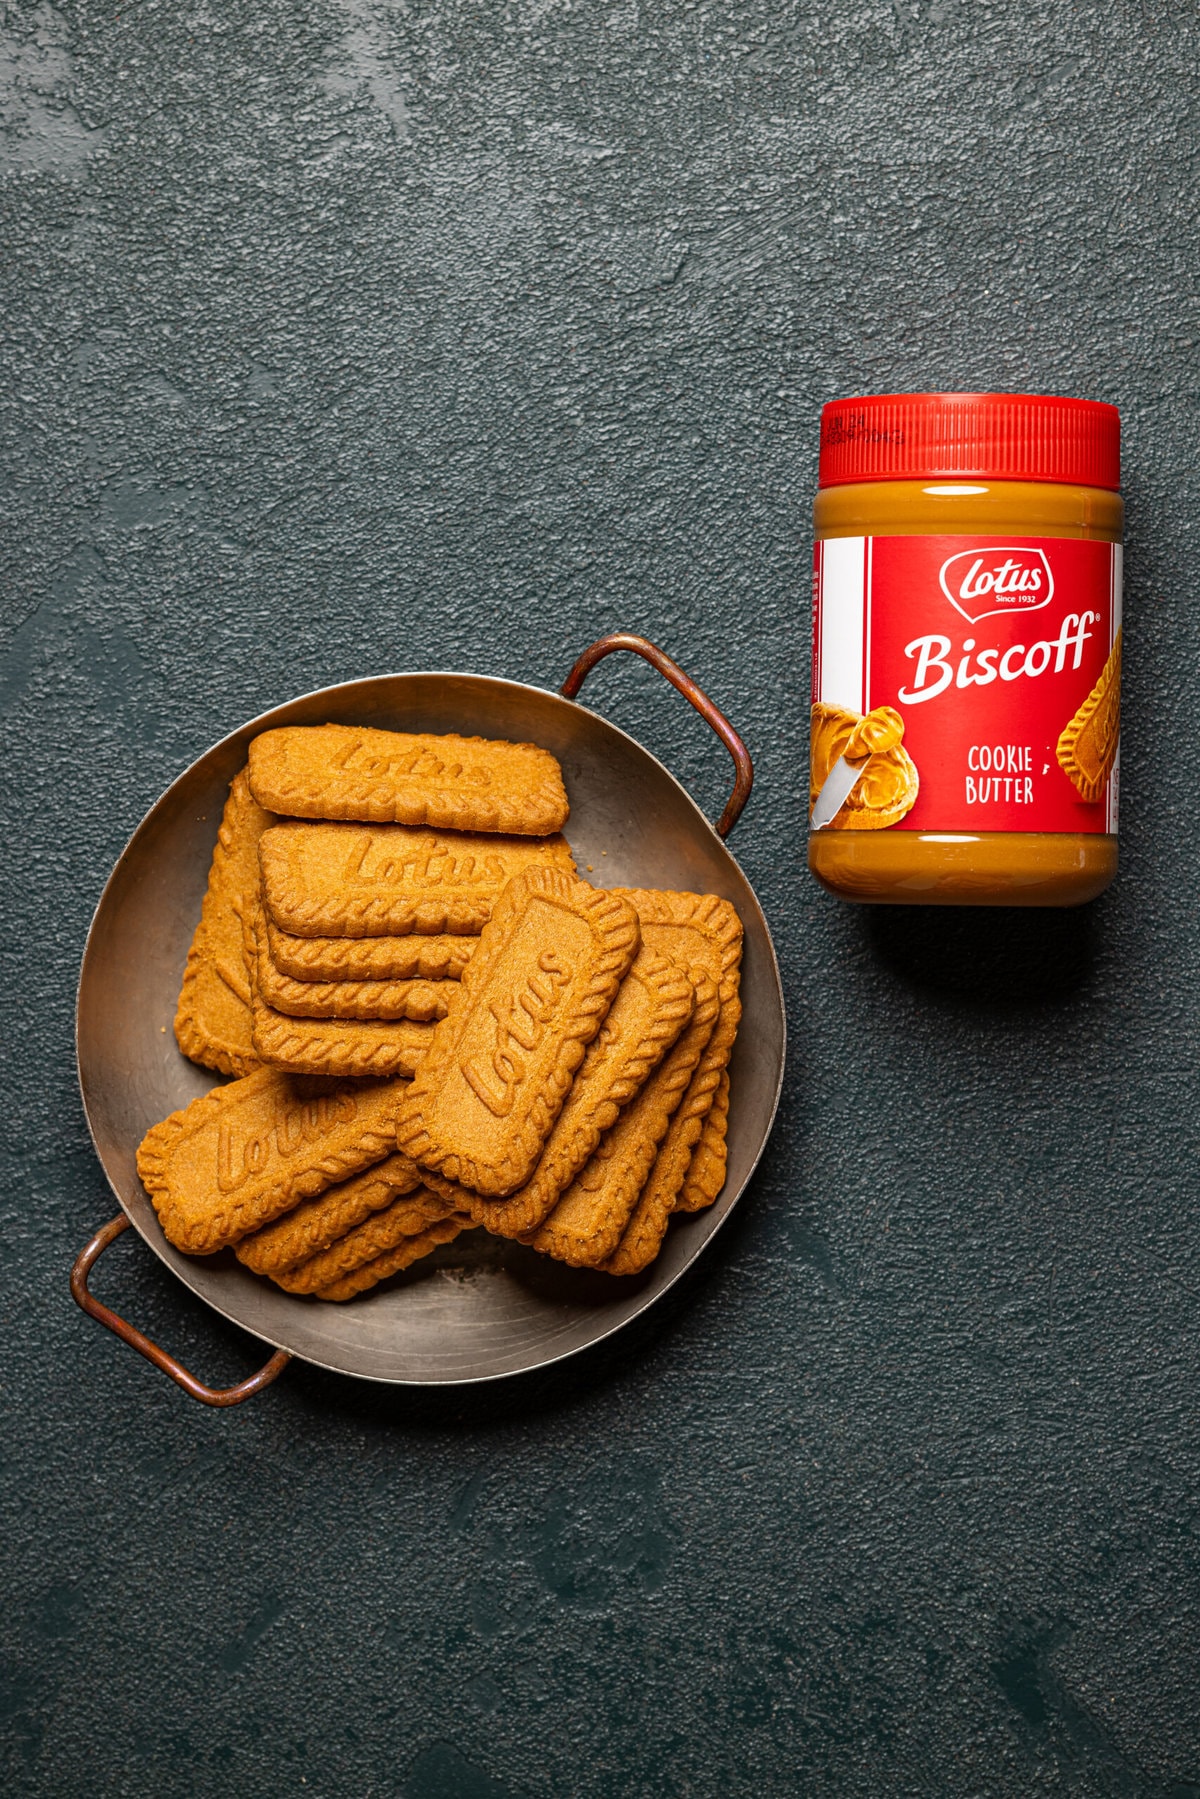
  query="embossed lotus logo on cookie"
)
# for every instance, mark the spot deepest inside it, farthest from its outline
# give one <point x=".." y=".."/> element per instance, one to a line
<point x="1003" y="579"/>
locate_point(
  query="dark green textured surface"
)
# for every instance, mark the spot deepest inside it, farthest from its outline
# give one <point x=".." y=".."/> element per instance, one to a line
<point x="340" y="338"/>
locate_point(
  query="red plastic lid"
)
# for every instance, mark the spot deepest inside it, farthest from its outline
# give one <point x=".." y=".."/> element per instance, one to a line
<point x="1001" y="437"/>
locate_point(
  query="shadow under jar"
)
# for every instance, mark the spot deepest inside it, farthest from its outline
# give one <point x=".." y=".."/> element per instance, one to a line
<point x="966" y="650"/>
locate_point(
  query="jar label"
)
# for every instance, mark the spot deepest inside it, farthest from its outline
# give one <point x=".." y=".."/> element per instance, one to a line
<point x="974" y="683"/>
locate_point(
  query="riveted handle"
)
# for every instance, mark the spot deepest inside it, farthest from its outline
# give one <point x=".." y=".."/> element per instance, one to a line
<point x="712" y="715"/>
<point x="130" y="1334"/>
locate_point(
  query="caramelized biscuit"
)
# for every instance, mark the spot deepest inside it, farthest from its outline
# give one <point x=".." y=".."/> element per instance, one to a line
<point x="586" y="1225"/>
<point x="699" y="928"/>
<point x="339" y="1046"/>
<point x="242" y="1154"/>
<point x="393" y="1261"/>
<point x="423" y="1001"/>
<point x="406" y="1217"/>
<point x="450" y="783"/>
<point x="1087" y="748"/>
<point x="329" y="1046"/>
<point x="315" y="1224"/>
<point x="338" y="880"/>
<point x="653" y="1006"/>
<point x="212" y="1023"/>
<point x="411" y="958"/>
<point x="530" y="1001"/>
<point x="706" y="1172"/>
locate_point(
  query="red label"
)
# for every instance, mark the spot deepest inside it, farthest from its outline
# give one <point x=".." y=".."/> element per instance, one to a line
<point x="974" y="681"/>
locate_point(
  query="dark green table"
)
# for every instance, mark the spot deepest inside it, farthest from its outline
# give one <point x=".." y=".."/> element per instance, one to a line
<point x="343" y="338"/>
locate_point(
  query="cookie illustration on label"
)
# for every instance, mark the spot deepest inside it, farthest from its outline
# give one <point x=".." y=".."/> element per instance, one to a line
<point x="239" y="1156"/>
<point x="1087" y="748"/>
<point x="212" y="1023"/>
<point x="450" y="783"/>
<point x="530" y="1001"/>
<point x="887" y="788"/>
<point x="340" y="880"/>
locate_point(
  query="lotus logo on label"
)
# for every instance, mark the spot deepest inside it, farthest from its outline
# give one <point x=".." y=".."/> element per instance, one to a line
<point x="1006" y="578"/>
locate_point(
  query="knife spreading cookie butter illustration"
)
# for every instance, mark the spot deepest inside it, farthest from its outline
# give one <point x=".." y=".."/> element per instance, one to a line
<point x="880" y="781"/>
<point x="1087" y="748"/>
<point x="501" y="1063"/>
<point x="452" y="783"/>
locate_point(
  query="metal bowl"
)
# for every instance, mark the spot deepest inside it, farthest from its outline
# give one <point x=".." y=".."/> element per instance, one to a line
<point x="485" y="1307"/>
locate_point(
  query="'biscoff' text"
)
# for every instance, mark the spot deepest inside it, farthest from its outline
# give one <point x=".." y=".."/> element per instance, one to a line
<point x="935" y="671"/>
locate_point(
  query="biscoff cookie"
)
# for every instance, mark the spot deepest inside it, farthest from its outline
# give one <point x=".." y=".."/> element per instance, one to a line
<point x="586" y="1225"/>
<point x="339" y="1046"/>
<point x="423" y="1001"/>
<point x="699" y="928"/>
<point x="412" y="958"/>
<point x="316" y="1223"/>
<point x="212" y="1022"/>
<point x="532" y="998"/>
<point x="642" y="1237"/>
<point x="239" y="1156"/>
<point x="654" y="1004"/>
<point x="394" y="1261"/>
<point x="407" y="1216"/>
<point x="328" y="1046"/>
<point x="706" y="1171"/>
<point x="345" y="880"/>
<point x="451" y="783"/>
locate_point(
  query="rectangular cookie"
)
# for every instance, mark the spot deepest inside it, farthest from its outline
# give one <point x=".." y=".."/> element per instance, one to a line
<point x="407" y="1216"/>
<point x="699" y="930"/>
<point x="328" y="1046"/>
<point x="450" y="783"/>
<point x="339" y="880"/>
<point x="706" y="1171"/>
<point x="393" y="1261"/>
<point x="339" y="1046"/>
<point x="316" y="1223"/>
<point x="654" y="1004"/>
<point x="239" y="1156"/>
<point x="411" y="958"/>
<point x="423" y="1001"/>
<point x="212" y="1021"/>
<point x="586" y="1225"/>
<point x="530" y="1001"/>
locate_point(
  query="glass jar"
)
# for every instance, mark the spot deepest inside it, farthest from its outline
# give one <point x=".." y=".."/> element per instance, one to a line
<point x="966" y="650"/>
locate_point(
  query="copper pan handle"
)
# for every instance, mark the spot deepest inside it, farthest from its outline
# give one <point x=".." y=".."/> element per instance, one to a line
<point x="129" y="1333"/>
<point x="712" y="715"/>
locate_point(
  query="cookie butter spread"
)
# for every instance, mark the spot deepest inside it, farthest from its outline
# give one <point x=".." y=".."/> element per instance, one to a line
<point x="966" y="650"/>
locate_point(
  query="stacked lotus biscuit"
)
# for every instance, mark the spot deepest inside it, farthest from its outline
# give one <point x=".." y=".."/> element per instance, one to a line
<point x="435" y="1024"/>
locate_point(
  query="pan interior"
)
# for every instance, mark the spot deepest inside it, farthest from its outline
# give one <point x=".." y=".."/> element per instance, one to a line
<point x="481" y="1307"/>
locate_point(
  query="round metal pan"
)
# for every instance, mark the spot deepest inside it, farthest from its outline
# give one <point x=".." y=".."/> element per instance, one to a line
<point x="483" y="1307"/>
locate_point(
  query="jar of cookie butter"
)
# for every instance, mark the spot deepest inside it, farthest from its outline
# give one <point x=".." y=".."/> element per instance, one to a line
<point x="966" y="650"/>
